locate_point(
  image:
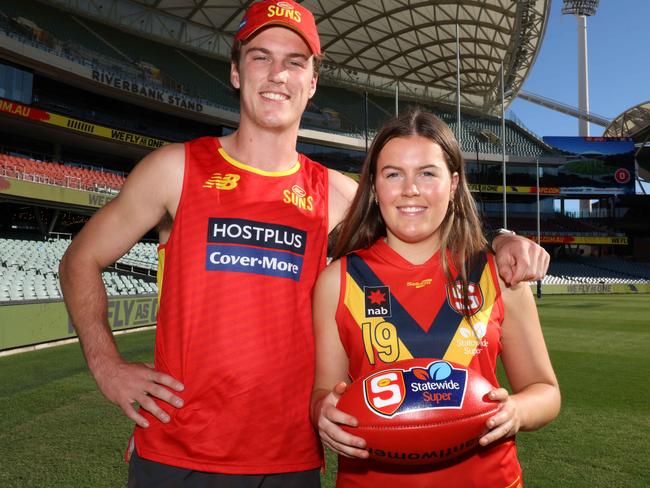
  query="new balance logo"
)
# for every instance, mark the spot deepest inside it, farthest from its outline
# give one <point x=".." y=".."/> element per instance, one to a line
<point x="222" y="182"/>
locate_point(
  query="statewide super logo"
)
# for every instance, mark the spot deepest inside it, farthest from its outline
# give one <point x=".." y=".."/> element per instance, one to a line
<point x="248" y="246"/>
<point x="474" y="302"/>
<point x="377" y="301"/>
<point x="398" y="391"/>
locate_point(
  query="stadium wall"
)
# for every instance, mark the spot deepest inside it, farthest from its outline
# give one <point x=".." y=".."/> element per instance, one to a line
<point x="592" y="289"/>
<point x="51" y="193"/>
<point x="27" y="324"/>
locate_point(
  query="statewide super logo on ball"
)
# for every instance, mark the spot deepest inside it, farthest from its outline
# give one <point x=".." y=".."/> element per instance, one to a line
<point x="419" y="411"/>
<point x="398" y="391"/>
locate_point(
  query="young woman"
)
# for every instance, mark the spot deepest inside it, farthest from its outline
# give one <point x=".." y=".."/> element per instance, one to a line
<point x="414" y="277"/>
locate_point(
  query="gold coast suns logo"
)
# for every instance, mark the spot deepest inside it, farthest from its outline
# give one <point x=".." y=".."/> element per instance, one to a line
<point x="298" y="197"/>
<point x="283" y="9"/>
<point x="219" y="181"/>
<point x="472" y="304"/>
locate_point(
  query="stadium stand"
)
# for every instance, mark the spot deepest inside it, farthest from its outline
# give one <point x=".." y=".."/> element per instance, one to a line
<point x="596" y="271"/>
<point x="47" y="24"/>
<point x="207" y="79"/>
<point x="550" y="224"/>
<point x="178" y="71"/>
<point x="50" y="173"/>
<point x="130" y="57"/>
<point x="29" y="270"/>
<point x="474" y="129"/>
<point x="144" y="255"/>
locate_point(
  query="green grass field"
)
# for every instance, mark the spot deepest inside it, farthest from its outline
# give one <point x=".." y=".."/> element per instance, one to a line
<point x="56" y="430"/>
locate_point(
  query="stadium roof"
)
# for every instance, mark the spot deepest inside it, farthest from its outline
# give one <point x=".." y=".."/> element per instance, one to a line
<point x="375" y="44"/>
<point x="634" y="122"/>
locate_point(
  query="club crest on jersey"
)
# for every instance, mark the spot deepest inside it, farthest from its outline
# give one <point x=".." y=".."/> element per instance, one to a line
<point x="397" y="391"/>
<point x="377" y="301"/>
<point x="220" y="181"/>
<point x="298" y="197"/>
<point x="474" y="297"/>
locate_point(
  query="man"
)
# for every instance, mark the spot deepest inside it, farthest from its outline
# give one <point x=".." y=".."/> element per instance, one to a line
<point x="227" y="401"/>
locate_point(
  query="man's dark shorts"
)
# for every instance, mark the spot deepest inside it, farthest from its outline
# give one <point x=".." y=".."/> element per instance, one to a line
<point x="149" y="474"/>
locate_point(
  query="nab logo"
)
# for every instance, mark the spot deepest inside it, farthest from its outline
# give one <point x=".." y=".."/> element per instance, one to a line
<point x="222" y="182"/>
<point x="298" y="197"/>
<point x="419" y="284"/>
<point x="455" y="298"/>
<point x="377" y="301"/>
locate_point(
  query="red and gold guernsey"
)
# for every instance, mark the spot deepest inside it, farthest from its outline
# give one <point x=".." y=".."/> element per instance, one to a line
<point x="390" y="310"/>
<point x="234" y="322"/>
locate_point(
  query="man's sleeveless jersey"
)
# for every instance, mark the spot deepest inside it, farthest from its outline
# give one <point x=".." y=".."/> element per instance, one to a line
<point x="390" y="310"/>
<point x="234" y="322"/>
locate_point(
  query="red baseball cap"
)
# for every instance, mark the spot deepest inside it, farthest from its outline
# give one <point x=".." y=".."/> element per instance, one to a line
<point x="285" y="13"/>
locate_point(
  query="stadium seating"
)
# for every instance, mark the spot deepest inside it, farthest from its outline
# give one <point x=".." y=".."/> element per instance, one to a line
<point x="555" y="224"/>
<point x="596" y="271"/>
<point x="207" y="79"/>
<point x="128" y="56"/>
<point x="167" y="67"/>
<point x="49" y="173"/>
<point x="50" y="23"/>
<point x="144" y="255"/>
<point x="29" y="270"/>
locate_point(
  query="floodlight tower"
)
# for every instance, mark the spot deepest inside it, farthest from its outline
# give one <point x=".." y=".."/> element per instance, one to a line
<point x="582" y="9"/>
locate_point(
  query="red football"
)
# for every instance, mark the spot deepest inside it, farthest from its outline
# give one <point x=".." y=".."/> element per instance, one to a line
<point x="419" y="411"/>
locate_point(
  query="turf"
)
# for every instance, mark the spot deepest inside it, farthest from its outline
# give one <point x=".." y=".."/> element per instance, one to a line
<point x="56" y="430"/>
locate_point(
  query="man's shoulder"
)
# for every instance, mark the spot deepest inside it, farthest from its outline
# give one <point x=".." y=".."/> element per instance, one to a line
<point x="171" y="154"/>
<point x="341" y="184"/>
<point x="164" y="164"/>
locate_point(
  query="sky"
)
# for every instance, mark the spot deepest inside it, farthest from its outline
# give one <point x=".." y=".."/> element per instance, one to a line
<point x="618" y="64"/>
<point x="618" y="67"/>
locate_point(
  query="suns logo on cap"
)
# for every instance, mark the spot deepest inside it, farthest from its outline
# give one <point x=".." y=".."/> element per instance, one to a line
<point x="284" y="9"/>
<point x="298" y="196"/>
<point x="222" y="182"/>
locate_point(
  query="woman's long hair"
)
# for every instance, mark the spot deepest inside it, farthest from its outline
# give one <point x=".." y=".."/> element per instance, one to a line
<point x="460" y="230"/>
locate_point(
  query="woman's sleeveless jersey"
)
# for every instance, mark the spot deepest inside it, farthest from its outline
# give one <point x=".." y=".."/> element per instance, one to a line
<point x="390" y="310"/>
